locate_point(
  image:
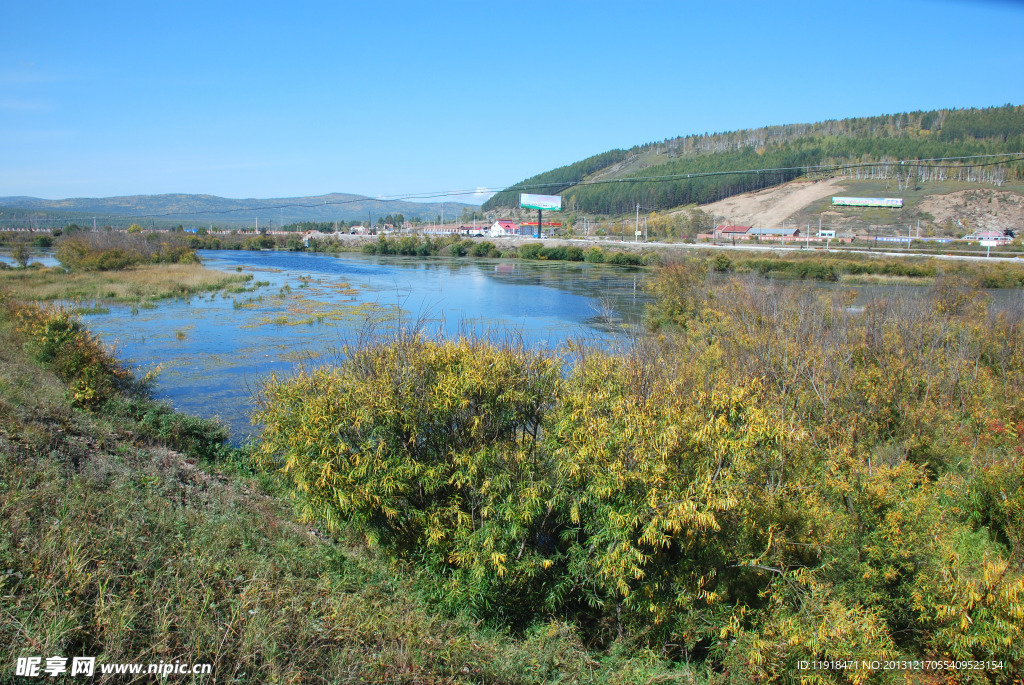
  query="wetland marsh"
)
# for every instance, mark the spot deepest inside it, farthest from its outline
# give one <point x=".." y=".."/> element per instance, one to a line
<point x="303" y="308"/>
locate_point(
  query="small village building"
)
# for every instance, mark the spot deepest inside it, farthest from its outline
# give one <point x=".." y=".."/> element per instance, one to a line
<point x="733" y="232"/>
<point x="503" y="228"/>
<point x="441" y="230"/>
<point x="313" y="235"/>
<point x="773" y="233"/>
<point x="998" y="236"/>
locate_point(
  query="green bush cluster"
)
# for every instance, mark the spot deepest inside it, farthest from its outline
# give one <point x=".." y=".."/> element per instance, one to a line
<point x="199" y="438"/>
<point x="57" y="339"/>
<point x="114" y="252"/>
<point x="593" y="255"/>
<point x="414" y="246"/>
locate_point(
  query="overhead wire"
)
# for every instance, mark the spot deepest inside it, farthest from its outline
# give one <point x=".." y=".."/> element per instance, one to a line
<point x="931" y="163"/>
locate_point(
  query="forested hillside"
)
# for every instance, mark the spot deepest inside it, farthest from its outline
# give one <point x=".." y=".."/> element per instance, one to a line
<point x="615" y="181"/>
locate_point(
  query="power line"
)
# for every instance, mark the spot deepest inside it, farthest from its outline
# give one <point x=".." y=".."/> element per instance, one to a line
<point x="930" y="163"/>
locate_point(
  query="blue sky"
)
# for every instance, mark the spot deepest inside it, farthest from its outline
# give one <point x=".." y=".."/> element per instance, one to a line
<point x="388" y="98"/>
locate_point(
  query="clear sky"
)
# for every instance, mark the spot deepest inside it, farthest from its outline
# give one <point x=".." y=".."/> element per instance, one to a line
<point x="386" y="98"/>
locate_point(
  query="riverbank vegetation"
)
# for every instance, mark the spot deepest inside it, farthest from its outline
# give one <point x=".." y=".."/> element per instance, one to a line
<point x="770" y="476"/>
<point x="116" y="251"/>
<point x="117" y="267"/>
<point x="135" y="534"/>
<point x="834" y="266"/>
<point x="131" y="285"/>
<point x="773" y="478"/>
<point x="861" y="268"/>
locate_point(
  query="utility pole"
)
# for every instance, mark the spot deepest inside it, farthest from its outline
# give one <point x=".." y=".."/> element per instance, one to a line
<point x="636" y="224"/>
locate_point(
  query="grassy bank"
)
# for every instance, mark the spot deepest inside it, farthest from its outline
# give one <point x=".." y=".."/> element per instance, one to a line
<point x="117" y="267"/>
<point x="134" y="534"/>
<point x="131" y="285"/>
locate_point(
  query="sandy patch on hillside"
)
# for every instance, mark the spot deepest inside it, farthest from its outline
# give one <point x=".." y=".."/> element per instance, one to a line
<point x="977" y="210"/>
<point x="768" y="208"/>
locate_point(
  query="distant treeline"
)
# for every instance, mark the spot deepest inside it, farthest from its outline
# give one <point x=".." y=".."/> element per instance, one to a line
<point x="787" y="152"/>
<point x="336" y="226"/>
<point x="456" y="247"/>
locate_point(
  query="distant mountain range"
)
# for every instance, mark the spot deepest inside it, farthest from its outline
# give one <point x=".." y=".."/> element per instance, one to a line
<point x="174" y="209"/>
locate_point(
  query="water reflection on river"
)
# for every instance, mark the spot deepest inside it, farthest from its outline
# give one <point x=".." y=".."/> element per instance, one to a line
<point x="213" y="349"/>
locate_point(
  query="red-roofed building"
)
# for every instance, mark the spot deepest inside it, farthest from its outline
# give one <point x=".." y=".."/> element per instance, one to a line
<point x="732" y="231"/>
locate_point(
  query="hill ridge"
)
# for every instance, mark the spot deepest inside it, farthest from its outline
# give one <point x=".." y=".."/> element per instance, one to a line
<point x="785" y="152"/>
<point x="195" y="207"/>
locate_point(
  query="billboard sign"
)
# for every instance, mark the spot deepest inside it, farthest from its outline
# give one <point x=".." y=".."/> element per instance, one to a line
<point x="867" y="202"/>
<point x="551" y="203"/>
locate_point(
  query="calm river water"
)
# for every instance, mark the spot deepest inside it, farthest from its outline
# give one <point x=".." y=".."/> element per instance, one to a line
<point x="214" y="349"/>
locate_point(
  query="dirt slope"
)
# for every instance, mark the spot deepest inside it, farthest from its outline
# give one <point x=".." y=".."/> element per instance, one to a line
<point x="770" y="207"/>
<point x="969" y="210"/>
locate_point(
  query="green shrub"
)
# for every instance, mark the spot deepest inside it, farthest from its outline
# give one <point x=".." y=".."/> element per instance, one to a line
<point x="722" y="263"/>
<point x="594" y="255"/>
<point x="530" y="250"/>
<point x="482" y="249"/>
<point x="196" y="437"/>
<point x="625" y="259"/>
<point x="57" y="339"/>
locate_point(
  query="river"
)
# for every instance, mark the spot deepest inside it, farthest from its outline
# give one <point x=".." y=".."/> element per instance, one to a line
<point x="213" y="350"/>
